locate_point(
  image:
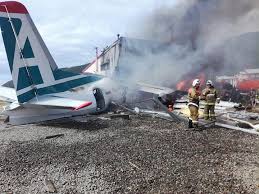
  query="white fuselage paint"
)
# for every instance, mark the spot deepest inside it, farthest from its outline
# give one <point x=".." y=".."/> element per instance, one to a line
<point x="30" y="112"/>
<point x="33" y="110"/>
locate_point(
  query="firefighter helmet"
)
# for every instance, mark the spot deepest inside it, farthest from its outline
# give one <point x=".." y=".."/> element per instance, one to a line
<point x="196" y="82"/>
<point x="209" y="82"/>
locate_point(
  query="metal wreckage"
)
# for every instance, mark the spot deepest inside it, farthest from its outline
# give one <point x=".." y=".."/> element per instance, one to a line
<point x="173" y="107"/>
<point x="41" y="91"/>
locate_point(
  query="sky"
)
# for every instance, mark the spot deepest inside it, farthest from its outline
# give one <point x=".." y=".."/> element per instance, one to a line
<point x="72" y="29"/>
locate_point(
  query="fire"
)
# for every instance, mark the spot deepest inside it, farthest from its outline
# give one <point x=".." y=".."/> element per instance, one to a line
<point x="185" y="84"/>
<point x="182" y="85"/>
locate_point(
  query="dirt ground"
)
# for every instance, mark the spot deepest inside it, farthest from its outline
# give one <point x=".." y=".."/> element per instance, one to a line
<point x="140" y="155"/>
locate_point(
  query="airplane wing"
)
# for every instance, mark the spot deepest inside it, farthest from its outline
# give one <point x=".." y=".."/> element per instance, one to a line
<point x="7" y="94"/>
<point x="153" y="88"/>
<point x="61" y="102"/>
<point x="52" y="101"/>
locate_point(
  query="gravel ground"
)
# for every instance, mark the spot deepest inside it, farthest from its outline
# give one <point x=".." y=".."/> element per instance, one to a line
<point x="140" y="155"/>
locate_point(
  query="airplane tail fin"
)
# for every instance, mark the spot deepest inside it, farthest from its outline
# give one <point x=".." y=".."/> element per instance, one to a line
<point x="30" y="61"/>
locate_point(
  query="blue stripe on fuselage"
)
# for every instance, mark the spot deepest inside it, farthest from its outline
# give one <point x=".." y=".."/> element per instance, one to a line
<point x="61" y="74"/>
<point x="57" y="88"/>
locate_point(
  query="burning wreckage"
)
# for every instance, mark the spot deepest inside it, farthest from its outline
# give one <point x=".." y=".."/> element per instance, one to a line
<point x="128" y="61"/>
<point x="237" y="108"/>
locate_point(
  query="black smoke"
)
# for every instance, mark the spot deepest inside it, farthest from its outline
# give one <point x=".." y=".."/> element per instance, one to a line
<point x="218" y="36"/>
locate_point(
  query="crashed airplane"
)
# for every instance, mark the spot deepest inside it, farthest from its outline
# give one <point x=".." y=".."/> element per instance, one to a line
<point x="39" y="90"/>
<point x="42" y="91"/>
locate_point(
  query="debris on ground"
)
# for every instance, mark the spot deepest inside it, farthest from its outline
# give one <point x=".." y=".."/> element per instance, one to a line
<point x="123" y="116"/>
<point x="140" y="155"/>
<point x="54" y="136"/>
<point x="134" y="165"/>
<point x="227" y="115"/>
<point x="148" y="153"/>
<point x="50" y="186"/>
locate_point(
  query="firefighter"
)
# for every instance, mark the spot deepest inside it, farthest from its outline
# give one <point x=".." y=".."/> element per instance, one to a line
<point x="193" y="105"/>
<point x="252" y="96"/>
<point x="257" y="94"/>
<point x="210" y="95"/>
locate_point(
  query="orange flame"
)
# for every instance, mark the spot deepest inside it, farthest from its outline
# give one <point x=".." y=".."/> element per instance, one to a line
<point x="184" y="85"/>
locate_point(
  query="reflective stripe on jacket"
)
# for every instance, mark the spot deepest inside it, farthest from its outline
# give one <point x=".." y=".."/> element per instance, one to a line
<point x="210" y="95"/>
<point x="194" y="97"/>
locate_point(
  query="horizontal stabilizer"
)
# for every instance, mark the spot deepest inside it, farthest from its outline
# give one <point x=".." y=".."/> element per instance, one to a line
<point x="7" y="94"/>
<point x="60" y="102"/>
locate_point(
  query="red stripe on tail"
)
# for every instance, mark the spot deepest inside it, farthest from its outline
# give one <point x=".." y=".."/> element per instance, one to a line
<point x="13" y="7"/>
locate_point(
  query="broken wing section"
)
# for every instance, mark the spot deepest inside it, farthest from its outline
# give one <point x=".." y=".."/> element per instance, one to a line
<point x="46" y="108"/>
<point x="159" y="90"/>
<point x="60" y="102"/>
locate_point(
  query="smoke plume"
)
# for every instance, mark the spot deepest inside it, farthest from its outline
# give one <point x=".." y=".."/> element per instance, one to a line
<point x="218" y="37"/>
